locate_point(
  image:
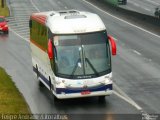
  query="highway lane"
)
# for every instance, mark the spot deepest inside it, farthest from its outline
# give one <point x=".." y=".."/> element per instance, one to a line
<point x="138" y="69"/>
<point x="139" y="52"/>
<point x="137" y="64"/>
<point x="136" y="41"/>
<point x="19" y="16"/>
<point x="16" y="59"/>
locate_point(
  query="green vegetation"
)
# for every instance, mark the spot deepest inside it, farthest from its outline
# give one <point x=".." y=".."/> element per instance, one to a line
<point x="4" y="11"/>
<point x="11" y="100"/>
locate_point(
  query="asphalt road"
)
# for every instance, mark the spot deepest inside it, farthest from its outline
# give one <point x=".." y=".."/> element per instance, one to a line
<point x="136" y="68"/>
<point x="142" y="6"/>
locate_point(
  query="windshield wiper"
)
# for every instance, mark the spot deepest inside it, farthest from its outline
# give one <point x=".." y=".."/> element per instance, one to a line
<point x="95" y="71"/>
<point x="79" y="60"/>
<point x="87" y="60"/>
<point x="83" y="62"/>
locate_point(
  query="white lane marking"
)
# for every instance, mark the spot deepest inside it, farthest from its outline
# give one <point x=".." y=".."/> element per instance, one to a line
<point x="19" y="35"/>
<point x="138" y="53"/>
<point x="23" y="38"/>
<point x="136" y="4"/>
<point x="124" y="96"/>
<point x="22" y="17"/>
<point x="18" y="24"/>
<point x="155" y="3"/>
<point x="122" y="20"/>
<point x="22" y="32"/>
<point x="128" y="100"/>
<point x="66" y="7"/>
<point x="147" y="9"/>
<point x="19" y="20"/>
<point x="35" y="6"/>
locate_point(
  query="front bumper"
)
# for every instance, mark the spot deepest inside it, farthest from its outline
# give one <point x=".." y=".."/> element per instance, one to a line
<point x="64" y="93"/>
<point x="78" y="95"/>
<point x="3" y="29"/>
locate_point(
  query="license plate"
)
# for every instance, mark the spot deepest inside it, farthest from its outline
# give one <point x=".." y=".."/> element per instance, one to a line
<point x="85" y="92"/>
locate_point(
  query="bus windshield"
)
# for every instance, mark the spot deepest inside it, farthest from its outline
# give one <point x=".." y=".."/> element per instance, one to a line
<point x="82" y="56"/>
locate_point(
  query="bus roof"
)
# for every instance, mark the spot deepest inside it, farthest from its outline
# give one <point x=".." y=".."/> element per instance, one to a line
<point x="70" y="21"/>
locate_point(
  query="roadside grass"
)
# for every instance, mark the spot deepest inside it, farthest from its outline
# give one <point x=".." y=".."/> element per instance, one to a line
<point x="4" y="11"/>
<point x="11" y="100"/>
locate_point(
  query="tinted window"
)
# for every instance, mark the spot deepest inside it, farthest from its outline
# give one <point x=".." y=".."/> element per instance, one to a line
<point x="2" y="20"/>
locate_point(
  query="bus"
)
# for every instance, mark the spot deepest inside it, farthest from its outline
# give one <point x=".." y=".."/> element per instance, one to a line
<point x="71" y="53"/>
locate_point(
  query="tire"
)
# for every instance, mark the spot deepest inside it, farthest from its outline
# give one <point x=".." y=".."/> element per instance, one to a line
<point x="50" y="84"/>
<point x="6" y="32"/>
<point x="51" y="88"/>
<point x="101" y="98"/>
<point x="55" y="98"/>
<point x="40" y="83"/>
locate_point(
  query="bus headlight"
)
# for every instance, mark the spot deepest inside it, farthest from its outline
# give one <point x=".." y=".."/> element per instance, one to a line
<point x="63" y="93"/>
<point x="58" y="82"/>
<point x="108" y="78"/>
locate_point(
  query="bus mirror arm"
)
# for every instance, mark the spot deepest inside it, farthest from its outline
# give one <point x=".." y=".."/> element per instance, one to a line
<point x="30" y="23"/>
<point x="50" y="49"/>
<point x="113" y="44"/>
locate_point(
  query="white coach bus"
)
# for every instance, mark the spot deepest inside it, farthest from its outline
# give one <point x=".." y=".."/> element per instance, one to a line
<point x="71" y="53"/>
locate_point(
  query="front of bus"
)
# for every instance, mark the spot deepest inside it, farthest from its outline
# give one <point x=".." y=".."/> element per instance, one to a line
<point x="82" y="62"/>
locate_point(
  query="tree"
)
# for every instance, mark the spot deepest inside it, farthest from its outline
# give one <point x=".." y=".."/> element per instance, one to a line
<point x="2" y="3"/>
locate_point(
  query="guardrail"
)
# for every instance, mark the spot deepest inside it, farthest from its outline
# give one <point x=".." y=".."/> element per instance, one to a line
<point x="113" y="2"/>
<point x="147" y="18"/>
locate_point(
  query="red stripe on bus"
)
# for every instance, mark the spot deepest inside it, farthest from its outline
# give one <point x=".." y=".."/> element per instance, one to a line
<point x="39" y="18"/>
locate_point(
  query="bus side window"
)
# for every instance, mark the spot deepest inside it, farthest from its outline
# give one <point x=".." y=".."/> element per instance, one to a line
<point x="50" y="35"/>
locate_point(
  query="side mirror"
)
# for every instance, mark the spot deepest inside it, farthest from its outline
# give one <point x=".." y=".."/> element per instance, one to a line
<point x="50" y="49"/>
<point x="113" y="44"/>
<point x="30" y="23"/>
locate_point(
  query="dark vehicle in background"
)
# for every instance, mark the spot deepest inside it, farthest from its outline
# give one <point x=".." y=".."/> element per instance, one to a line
<point x="157" y="12"/>
<point x="122" y="2"/>
<point x="3" y="25"/>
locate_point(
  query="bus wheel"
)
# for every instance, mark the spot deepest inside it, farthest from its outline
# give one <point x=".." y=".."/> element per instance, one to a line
<point x="50" y="84"/>
<point x="37" y="72"/>
<point x="101" y="98"/>
<point x="55" y="98"/>
<point x="41" y="84"/>
<point x="6" y="32"/>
